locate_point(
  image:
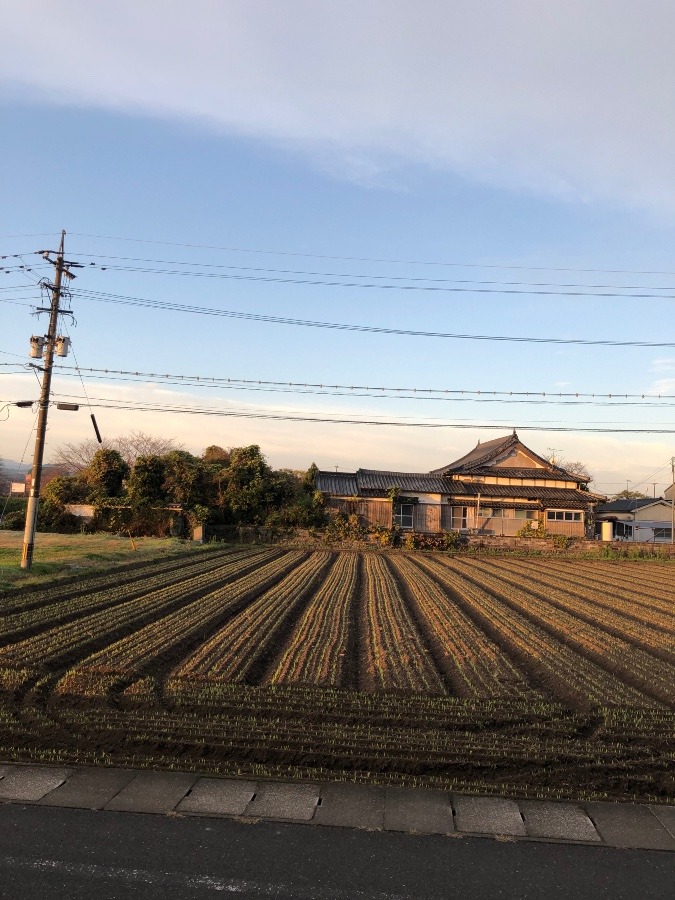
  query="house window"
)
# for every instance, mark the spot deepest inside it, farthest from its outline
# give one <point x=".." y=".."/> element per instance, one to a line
<point x="562" y="515"/>
<point x="662" y="534"/>
<point x="403" y="515"/>
<point x="526" y="514"/>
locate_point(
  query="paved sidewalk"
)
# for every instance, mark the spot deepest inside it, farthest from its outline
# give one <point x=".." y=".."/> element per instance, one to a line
<point x="419" y="811"/>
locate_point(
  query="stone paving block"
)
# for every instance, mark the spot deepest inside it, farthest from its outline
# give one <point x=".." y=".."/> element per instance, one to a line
<point x="564" y="821"/>
<point x="31" y="783"/>
<point x="628" y="826"/>
<point x="152" y="792"/>
<point x="423" y="811"/>
<point x="666" y="816"/>
<point x="218" y="797"/>
<point x="351" y="805"/>
<point x="276" y="800"/>
<point x="487" y="815"/>
<point x="89" y="788"/>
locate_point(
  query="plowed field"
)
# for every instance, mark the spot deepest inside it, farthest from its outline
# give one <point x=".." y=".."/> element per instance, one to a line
<point x="531" y="676"/>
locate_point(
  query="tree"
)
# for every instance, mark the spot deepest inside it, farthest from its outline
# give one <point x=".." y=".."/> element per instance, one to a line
<point x="574" y="467"/>
<point x="185" y="479"/>
<point x="106" y="473"/>
<point x="250" y="488"/>
<point x="66" y="489"/>
<point x="130" y="446"/>
<point x="630" y="495"/>
<point x="215" y="455"/>
<point x="139" y="443"/>
<point x="146" y="482"/>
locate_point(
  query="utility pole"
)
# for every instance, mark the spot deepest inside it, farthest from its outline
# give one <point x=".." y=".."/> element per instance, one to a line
<point x="36" y="473"/>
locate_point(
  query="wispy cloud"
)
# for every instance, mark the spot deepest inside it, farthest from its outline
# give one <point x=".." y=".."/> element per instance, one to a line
<point x="571" y="98"/>
<point x="663" y="365"/>
<point x="663" y="386"/>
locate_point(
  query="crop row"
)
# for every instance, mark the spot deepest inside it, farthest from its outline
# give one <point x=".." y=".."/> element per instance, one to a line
<point x="395" y="654"/>
<point x="566" y="674"/>
<point x="53" y="643"/>
<point x="618" y="589"/>
<point x="655" y="637"/>
<point x="88" y="602"/>
<point x="68" y="588"/>
<point x="650" y="676"/>
<point x="130" y="655"/>
<point x="250" y="635"/>
<point x="474" y="664"/>
<point x="316" y="651"/>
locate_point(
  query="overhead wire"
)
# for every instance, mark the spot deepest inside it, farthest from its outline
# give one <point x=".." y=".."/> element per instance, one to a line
<point x="370" y="285"/>
<point x="106" y="297"/>
<point x="108" y="403"/>
<point x="410" y="262"/>
<point x="361" y="391"/>
<point x="393" y="278"/>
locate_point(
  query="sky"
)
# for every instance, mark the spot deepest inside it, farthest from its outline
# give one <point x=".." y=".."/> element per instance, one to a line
<point x="227" y="170"/>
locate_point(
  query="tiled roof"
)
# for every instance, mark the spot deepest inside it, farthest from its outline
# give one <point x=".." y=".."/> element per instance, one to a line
<point x="626" y="505"/>
<point x="527" y="492"/>
<point x="374" y="483"/>
<point x="373" y="479"/>
<point x="478" y="461"/>
<point x="341" y="483"/>
<point x="552" y="474"/>
<point x="481" y="452"/>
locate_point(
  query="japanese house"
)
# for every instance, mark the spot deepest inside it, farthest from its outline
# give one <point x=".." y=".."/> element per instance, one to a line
<point x="498" y="488"/>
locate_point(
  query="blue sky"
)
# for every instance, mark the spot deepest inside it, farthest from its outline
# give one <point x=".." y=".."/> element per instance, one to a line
<point x="319" y="140"/>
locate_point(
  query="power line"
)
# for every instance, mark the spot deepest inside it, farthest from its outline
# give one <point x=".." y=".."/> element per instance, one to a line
<point x="108" y="403"/>
<point x="409" y="262"/>
<point x="103" y="297"/>
<point x="365" y="285"/>
<point x="418" y="393"/>
<point x="393" y="278"/>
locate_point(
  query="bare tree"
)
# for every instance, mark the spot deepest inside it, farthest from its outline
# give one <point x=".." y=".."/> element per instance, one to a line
<point x="574" y="467"/>
<point x="139" y="443"/>
<point x="77" y="457"/>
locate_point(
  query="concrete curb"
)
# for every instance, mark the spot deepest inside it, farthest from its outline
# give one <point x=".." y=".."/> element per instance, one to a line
<point x="410" y="810"/>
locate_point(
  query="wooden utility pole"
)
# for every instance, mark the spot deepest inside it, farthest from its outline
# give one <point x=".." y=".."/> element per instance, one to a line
<point x="36" y="473"/>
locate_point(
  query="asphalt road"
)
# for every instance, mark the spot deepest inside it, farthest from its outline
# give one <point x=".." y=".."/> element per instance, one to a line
<point x="71" y="853"/>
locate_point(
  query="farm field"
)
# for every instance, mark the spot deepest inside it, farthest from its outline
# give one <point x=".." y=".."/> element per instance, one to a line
<point x="545" y="677"/>
<point x="59" y="555"/>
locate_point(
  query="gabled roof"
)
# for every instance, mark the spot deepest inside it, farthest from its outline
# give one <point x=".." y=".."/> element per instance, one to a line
<point x="482" y="461"/>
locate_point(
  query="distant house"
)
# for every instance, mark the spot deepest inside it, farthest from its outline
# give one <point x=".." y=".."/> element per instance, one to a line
<point x="498" y="488"/>
<point x="638" y="519"/>
<point x="49" y="473"/>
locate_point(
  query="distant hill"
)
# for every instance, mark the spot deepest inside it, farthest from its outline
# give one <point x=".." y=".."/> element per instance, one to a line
<point x="15" y="470"/>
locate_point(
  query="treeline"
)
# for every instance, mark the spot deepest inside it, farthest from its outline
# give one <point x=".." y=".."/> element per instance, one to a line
<point x="174" y="491"/>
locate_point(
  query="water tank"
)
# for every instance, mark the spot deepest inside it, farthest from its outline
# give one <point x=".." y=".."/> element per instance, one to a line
<point x="607" y="531"/>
